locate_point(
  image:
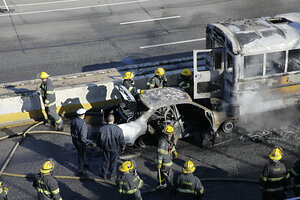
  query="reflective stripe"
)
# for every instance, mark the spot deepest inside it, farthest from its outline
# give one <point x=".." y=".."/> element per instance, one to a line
<point x="159" y="161"/>
<point x="173" y="149"/>
<point x="151" y="85"/>
<point x="130" y="88"/>
<point x="47" y="101"/>
<point x="273" y="189"/>
<point x="51" y="104"/>
<point x="168" y="164"/>
<point x="127" y="192"/>
<point x="40" y="190"/>
<point x="294" y="172"/>
<point x="50" y="92"/>
<point x="181" y="83"/>
<point x="272" y="179"/>
<point x="122" y="183"/>
<point x="186" y="191"/>
<point x="162" y="151"/>
<point x="58" y="120"/>
<point x="55" y="191"/>
<point x="202" y="190"/>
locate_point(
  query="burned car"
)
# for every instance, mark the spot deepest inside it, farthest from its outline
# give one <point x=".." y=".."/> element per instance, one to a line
<point x="157" y="108"/>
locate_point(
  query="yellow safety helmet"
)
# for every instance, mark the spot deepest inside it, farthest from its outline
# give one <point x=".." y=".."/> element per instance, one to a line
<point x="128" y="75"/>
<point x="159" y="71"/>
<point x="186" y="72"/>
<point x="188" y="167"/>
<point x="126" y="166"/>
<point x="276" y="154"/>
<point x="168" y="130"/>
<point x="48" y="166"/>
<point x="44" y="75"/>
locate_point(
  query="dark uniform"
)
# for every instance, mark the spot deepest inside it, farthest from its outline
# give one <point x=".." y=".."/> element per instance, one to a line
<point x="165" y="151"/>
<point x="295" y="172"/>
<point x="111" y="139"/>
<point x="185" y="83"/>
<point x="128" y="185"/>
<point x="49" y="99"/>
<point x="274" y="181"/>
<point x="3" y="193"/>
<point x="79" y="131"/>
<point x="189" y="187"/>
<point x="129" y="84"/>
<point x="157" y="82"/>
<point x="46" y="186"/>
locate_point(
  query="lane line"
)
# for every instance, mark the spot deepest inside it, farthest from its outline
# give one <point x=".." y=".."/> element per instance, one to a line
<point x="171" y="43"/>
<point x="149" y="20"/>
<point x="49" y="2"/>
<point x="6" y="5"/>
<point x="75" y="8"/>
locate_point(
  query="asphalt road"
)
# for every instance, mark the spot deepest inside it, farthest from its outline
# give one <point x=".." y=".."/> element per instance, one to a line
<point x="240" y="155"/>
<point x="70" y="36"/>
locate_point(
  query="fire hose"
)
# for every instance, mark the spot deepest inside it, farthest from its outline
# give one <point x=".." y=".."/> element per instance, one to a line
<point x="28" y="131"/>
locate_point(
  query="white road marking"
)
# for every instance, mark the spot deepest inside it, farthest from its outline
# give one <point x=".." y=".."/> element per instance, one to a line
<point x="171" y="43"/>
<point x="149" y="20"/>
<point x="49" y="2"/>
<point x="75" y="8"/>
<point x="6" y="5"/>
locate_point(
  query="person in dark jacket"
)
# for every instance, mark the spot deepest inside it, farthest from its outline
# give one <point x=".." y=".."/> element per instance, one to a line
<point x="111" y="140"/>
<point x="49" y="100"/>
<point x="188" y="186"/>
<point x="128" y="82"/>
<point x="159" y="80"/>
<point x="165" y="151"/>
<point x="3" y="192"/>
<point x="185" y="81"/>
<point x="79" y="132"/>
<point x="274" y="179"/>
<point x="45" y="184"/>
<point x="129" y="182"/>
<point x="295" y="173"/>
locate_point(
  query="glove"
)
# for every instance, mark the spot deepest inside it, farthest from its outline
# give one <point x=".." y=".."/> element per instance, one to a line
<point x="142" y="91"/>
<point x="158" y="166"/>
<point x="175" y="154"/>
<point x="6" y="189"/>
<point x="93" y="144"/>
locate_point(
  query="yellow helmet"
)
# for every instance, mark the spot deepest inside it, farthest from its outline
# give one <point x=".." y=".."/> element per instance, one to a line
<point x="188" y="167"/>
<point x="126" y="166"/>
<point x="128" y="75"/>
<point x="186" y="72"/>
<point x="159" y="71"/>
<point x="44" y="75"/>
<point x="168" y="130"/>
<point x="276" y="154"/>
<point x="48" y="166"/>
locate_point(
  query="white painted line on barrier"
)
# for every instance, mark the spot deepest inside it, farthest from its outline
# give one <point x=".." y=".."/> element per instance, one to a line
<point x="165" y="44"/>
<point x="49" y="2"/>
<point x="149" y="20"/>
<point x="75" y="8"/>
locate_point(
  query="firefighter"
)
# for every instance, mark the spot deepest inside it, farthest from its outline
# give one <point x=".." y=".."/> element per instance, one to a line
<point x="128" y="82"/>
<point x="187" y="185"/>
<point x="274" y="179"/>
<point x="3" y="192"/>
<point x="185" y="80"/>
<point x="128" y="182"/>
<point x="45" y="183"/>
<point x="79" y="132"/>
<point x="295" y="173"/>
<point x="111" y="139"/>
<point x="165" y="151"/>
<point x="159" y="80"/>
<point x="49" y="100"/>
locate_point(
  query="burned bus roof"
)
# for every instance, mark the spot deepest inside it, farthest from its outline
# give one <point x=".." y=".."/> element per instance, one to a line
<point x="265" y="34"/>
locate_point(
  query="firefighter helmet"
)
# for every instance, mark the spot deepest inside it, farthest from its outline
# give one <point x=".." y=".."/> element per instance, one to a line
<point x="186" y="72"/>
<point x="44" y="75"/>
<point x="188" y="167"/>
<point x="159" y="71"/>
<point x="168" y="130"/>
<point x="48" y="166"/>
<point x="276" y="154"/>
<point x="128" y="75"/>
<point x="126" y="166"/>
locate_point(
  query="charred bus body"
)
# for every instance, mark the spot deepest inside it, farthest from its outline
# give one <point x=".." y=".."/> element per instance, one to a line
<point x="251" y="66"/>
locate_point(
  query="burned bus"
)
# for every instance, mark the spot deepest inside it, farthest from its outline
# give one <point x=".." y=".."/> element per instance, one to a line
<point x="249" y="66"/>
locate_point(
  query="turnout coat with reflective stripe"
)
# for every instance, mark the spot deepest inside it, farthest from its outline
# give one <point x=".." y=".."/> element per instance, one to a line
<point x="188" y="187"/>
<point x="274" y="177"/>
<point x="48" y="93"/>
<point x="129" y="84"/>
<point x="295" y="172"/>
<point x="46" y="186"/>
<point x="165" y="149"/>
<point x="157" y="82"/>
<point x="3" y="193"/>
<point x="128" y="184"/>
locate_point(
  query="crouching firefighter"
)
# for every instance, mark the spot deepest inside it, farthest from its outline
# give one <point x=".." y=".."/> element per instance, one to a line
<point x="165" y="151"/>
<point x="188" y="186"/>
<point x="274" y="180"/>
<point x="3" y="192"/>
<point x="128" y="182"/>
<point x="44" y="182"/>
